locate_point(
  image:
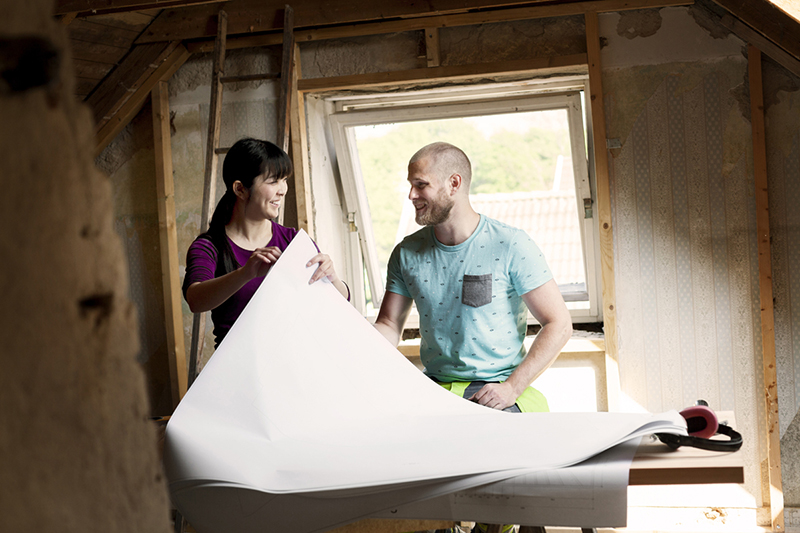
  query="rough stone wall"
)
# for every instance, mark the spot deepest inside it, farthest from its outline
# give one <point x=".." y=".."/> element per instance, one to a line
<point x="76" y="450"/>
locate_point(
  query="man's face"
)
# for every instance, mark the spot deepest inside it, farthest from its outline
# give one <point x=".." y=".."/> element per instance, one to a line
<point x="431" y="198"/>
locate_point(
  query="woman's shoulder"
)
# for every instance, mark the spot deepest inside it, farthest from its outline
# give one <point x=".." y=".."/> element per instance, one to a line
<point x="282" y="235"/>
<point x="202" y="247"/>
<point x="203" y="241"/>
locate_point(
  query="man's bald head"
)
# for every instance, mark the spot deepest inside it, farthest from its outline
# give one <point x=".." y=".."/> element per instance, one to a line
<point x="445" y="160"/>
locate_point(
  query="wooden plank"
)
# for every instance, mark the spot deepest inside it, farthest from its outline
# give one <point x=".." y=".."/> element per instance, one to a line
<point x="123" y="81"/>
<point x="603" y="191"/>
<point x="91" y="70"/>
<point x="92" y="7"/>
<point x="299" y="138"/>
<point x="287" y="74"/>
<point x="768" y="20"/>
<point x="131" y="21"/>
<point x="210" y="178"/>
<point x="254" y="16"/>
<point x="168" y="238"/>
<point x="437" y="74"/>
<point x="749" y="35"/>
<point x="66" y="19"/>
<point x="99" y="52"/>
<point x="108" y="131"/>
<point x="381" y="525"/>
<point x="432" y="46"/>
<point x="772" y="422"/>
<point x="251" y="77"/>
<point x="83" y="87"/>
<point x="84" y="30"/>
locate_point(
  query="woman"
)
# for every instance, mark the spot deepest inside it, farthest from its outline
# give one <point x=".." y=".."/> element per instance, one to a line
<point x="226" y="264"/>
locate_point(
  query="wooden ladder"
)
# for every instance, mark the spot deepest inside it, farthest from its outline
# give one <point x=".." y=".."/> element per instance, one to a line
<point x="213" y="151"/>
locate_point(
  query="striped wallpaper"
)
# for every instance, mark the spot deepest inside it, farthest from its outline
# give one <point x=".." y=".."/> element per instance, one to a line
<point x="686" y="262"/>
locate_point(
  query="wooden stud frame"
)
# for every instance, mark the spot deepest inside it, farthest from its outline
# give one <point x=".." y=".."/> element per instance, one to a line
<point x="595" y="101"/>
<point x="168" y="236"/>
<point x="772" y="422"/>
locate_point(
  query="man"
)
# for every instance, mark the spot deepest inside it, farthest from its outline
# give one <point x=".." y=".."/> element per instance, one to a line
<point x="472" y="278"/>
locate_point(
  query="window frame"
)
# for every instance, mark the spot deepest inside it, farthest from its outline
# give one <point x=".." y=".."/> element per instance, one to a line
<point x="363" y="110"/>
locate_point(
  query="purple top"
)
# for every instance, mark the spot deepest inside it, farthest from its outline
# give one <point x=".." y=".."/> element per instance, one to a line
<point x="201" y="265"/>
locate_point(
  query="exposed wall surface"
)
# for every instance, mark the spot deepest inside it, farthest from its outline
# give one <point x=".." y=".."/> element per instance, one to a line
<point x="677" y="101"/>
<point x="76" y="450"/>
<point x="686" y="260"/>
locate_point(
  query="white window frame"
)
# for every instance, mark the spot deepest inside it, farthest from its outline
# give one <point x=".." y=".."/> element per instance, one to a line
<point x="362" y="110"/>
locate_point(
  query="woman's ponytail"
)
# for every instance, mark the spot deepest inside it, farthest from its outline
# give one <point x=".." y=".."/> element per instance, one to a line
<point x="217" y="235"/>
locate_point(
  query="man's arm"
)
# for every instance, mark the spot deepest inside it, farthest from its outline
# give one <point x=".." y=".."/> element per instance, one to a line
<point x="392" y="316"/>
<point x="547" y="305"/>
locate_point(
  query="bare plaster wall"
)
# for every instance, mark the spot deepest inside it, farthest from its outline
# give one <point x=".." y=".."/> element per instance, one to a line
<point x="77" y="452"/>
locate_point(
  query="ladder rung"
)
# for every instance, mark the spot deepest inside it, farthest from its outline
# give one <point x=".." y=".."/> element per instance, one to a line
<point x="251" y="77"/>
<point x="220" y="151"/>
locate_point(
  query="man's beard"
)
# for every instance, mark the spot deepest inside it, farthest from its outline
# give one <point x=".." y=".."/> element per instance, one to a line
<point x="437" y="212"/>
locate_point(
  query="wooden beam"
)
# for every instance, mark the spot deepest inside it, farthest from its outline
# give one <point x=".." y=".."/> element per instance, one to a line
<point x="388" y="525"/>
<point x="129" y="75"/>
<point x="749" y="35"/>
<point x="210" y="179"/>
<point x="287" y="75"/>
<point x="432" y="46"/>
<point x="772" y="422"/>
<point x="107" y="131"/>
<point x="299" y="137"/>
<point x="439" y="74"/>
<point x="603" y="189"/>
<point x="339" y="19"/>
<point x="168" y="237"/>
<point x="86" y="8"/>
<point x="768" y="20"/>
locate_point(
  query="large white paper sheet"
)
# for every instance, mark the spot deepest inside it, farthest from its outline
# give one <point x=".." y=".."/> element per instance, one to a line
<point x="305" y="406"/>
<point x="590" y="494"/>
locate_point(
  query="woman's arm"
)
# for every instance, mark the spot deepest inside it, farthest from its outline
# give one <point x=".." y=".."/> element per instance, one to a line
<point x="207" y="295"/>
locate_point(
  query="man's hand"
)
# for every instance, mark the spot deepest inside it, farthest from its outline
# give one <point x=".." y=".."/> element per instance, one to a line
<point x="495" y="395"/>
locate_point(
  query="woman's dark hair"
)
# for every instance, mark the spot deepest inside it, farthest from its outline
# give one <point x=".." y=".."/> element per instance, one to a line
<point x="244" y="162"/>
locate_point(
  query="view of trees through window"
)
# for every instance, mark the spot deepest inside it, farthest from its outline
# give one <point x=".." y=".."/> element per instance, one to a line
<point x="510" y="153"/>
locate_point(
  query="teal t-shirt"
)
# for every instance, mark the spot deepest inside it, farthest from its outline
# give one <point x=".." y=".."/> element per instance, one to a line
<point x="472" y="316"/>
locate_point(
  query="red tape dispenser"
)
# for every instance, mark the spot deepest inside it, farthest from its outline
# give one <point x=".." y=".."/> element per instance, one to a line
<point x="702" y="424"/>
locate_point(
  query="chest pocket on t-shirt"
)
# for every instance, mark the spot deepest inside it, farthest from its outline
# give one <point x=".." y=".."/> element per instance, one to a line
<point x="477" y="290"/>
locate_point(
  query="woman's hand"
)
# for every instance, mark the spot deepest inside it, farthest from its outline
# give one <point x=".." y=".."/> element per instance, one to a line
<point x="260" y="261"/>
<point x="326" y="270"/>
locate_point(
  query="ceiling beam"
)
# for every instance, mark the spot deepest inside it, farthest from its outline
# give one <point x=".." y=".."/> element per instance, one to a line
<point x="84" y="8"/>
<point x="441" y="74"/>
<point x="723" y="17"/>
<point x="768" y="20"/>
<point x="126" y="107"/>
<point x="338" y="18"/>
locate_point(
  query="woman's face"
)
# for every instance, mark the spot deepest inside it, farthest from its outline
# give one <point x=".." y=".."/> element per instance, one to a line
<point x="266" y="196"/>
